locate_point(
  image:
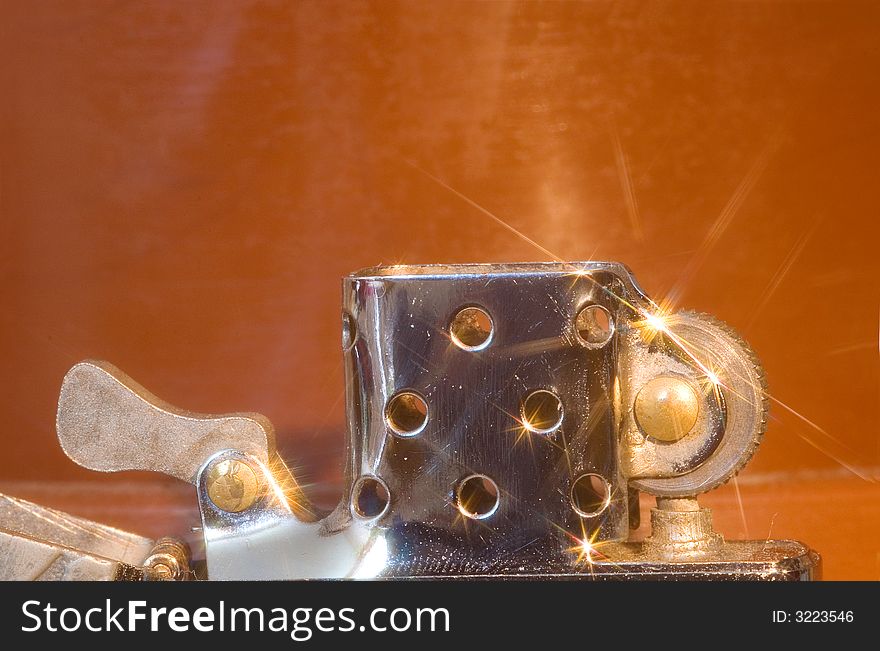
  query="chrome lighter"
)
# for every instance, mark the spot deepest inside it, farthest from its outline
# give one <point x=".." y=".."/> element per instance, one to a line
<point x="502" y="420"/>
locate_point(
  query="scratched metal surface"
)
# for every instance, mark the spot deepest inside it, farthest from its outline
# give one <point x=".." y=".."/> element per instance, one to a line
<point x="182" y="190"/>
<point x="474" y="399"/>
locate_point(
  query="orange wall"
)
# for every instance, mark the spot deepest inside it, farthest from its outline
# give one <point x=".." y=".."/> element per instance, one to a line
<point x="184" y="184"/>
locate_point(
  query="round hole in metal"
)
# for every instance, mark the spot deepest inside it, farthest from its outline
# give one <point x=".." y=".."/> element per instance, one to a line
<point x="477" y="497"/>
<point x="590" y="495"/>
<point x="370" y="497"/>
<point x="406" y="413"/>
<point x="471" y="328"/>
<point x="594" y="326"/>
<point x="541" y="411"/>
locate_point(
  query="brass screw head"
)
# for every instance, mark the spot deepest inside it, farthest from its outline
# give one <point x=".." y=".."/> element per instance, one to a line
<point x="232" y="485"/>
<point x="169" y="560"/>
<point x="667" y="408"/>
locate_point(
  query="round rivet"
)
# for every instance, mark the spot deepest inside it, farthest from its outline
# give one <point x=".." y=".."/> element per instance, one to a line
<point x="232" y="485"/>
<point x="666" y="408"/>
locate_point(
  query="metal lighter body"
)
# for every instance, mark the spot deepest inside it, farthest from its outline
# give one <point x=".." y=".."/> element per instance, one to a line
<point x="522" y="409"/>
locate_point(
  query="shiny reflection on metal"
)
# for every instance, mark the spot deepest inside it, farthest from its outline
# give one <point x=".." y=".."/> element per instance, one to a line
<point x="471" y="329"/>
<point x="349" y="331"/>
<point x="594" y="326"/>
<point x="475" y="400"/>
<point x="406" y="413"/>
<point x="590" y="495"/>
<point x="541" y="412"/>
<point x="370" y="498"/>
<point x="477" y="497"/>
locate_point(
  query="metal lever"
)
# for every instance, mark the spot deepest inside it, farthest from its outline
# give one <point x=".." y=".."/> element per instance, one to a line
<point x="108" y="422"/>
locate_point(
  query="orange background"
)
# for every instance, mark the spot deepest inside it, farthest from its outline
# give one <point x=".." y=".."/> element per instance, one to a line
<point x="184" y="184"/>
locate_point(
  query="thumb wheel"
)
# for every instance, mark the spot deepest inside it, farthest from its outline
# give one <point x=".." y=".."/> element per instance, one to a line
<point x="719" y="353"/>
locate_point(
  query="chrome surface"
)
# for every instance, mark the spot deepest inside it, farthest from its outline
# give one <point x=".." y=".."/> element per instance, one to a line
<point x="474" y="395"/>
<point x="273" y="540"/>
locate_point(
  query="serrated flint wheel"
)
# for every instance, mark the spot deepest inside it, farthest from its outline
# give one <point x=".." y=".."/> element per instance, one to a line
<point x="742" y="385"/>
